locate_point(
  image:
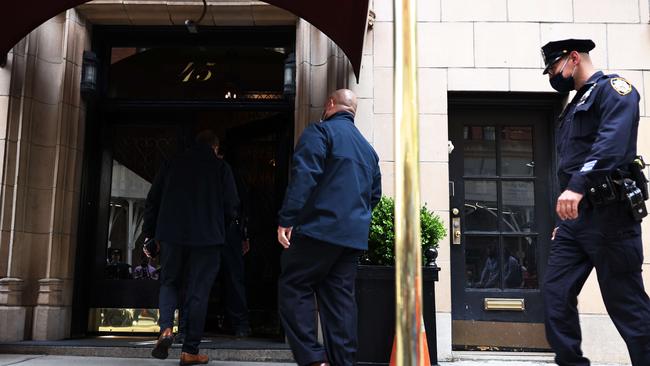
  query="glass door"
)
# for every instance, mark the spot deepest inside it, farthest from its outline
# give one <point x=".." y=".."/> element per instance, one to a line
<point x="500" y="172"/>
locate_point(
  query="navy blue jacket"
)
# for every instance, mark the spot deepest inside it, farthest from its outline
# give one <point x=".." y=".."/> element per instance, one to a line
<point x="335" y="184"/>
<point x="598" y="131"/>
<point x="190" y="200"/>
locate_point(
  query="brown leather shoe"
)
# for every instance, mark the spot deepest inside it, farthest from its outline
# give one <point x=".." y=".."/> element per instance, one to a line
<point x="161" y="350"/>
<point x="190" y="359"/>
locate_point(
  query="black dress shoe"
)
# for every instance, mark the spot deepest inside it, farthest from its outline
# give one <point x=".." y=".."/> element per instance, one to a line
<point x="161" y="350"/>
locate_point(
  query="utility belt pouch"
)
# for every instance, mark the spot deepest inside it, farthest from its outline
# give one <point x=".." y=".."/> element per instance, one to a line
<point x="633" y="197"/>
<point x="636" y="173"/>
<point x="602" y="193"/>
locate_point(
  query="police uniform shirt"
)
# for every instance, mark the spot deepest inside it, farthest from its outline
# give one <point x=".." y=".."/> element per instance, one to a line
<point x="597" y="132"/>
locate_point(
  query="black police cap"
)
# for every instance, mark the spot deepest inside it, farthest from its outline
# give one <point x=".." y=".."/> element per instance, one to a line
<point x="553" y="51"/>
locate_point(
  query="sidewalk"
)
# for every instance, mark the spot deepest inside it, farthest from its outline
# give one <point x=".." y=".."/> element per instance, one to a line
<point x="41" y="360"/>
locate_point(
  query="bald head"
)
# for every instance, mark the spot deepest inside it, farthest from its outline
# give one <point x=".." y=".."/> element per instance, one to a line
<point x="342" y="100"/>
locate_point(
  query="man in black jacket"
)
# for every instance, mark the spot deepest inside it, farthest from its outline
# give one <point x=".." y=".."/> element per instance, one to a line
<point x="323" y="226"/>
<point x="187" y="209"/>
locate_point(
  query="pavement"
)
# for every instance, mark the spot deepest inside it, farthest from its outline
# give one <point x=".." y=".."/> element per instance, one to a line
<point x="44" y="360"/>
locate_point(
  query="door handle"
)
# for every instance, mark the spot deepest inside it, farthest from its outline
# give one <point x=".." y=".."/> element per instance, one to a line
<point x="455" y="227"/>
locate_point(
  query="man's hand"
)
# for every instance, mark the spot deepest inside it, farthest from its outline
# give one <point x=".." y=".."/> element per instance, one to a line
<point x="567" y="205"/>
<point x="284" y="235"/>
<point x="245" y="246"/>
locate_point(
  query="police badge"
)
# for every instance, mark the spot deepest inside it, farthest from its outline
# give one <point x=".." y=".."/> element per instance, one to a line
<point x="621" y="86"/>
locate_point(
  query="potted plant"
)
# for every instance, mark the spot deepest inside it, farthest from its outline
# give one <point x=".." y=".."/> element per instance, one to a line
<point x="375" y="287"/>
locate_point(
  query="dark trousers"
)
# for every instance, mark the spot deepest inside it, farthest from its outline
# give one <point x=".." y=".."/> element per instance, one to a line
<point x="315" y="272"/>
<point x="609" y="240"/>
<point x="233" y="279"/>
<point x="201" y="264"/>
<point x="232" y="272"/>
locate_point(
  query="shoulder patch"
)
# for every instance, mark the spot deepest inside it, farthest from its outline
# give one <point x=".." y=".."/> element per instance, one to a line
<point x="622" y="86"/>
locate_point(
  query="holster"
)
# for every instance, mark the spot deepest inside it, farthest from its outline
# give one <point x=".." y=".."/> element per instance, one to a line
<point x="636" y="174"/>
<point x="619" y="189"/>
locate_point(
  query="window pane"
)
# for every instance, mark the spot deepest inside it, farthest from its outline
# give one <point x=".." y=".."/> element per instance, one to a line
<point x="520" y="262"/>
<point x="479" y="150"/>
<point x="517" y="151"/>
<point x="197" y="73"/>
<point x="482" y="262"/>
<point x="138" y="152"/>
<point x="480" y="205"/>
<point x="518" y="206"/>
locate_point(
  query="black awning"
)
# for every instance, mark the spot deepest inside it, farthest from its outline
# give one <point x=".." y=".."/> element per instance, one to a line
<point x="344" y="21"/>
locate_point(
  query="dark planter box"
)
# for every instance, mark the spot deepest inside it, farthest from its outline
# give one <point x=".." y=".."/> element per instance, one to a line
<point x="375" y="292"/>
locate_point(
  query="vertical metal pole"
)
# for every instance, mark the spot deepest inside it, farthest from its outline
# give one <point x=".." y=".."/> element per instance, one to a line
<point x="408" y="256"/>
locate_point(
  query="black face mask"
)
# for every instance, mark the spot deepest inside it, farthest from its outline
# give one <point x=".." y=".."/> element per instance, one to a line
<point x="562" y="84"/>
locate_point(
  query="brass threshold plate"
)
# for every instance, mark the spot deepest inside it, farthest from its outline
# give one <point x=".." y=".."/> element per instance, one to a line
<point x="497" y="304"/>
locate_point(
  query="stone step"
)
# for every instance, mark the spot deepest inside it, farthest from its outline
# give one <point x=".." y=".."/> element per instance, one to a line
<point x="223" y="349"/>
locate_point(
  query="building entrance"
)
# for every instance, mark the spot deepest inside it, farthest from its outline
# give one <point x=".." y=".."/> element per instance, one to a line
<point x="501" y="215"/>
<point x="155" y="98"/>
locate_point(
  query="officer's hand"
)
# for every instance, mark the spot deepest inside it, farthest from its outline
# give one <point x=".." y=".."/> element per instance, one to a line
<point x="567" y="205"/>
<point x="284" y="235"/>
<point x="245" y="246"/>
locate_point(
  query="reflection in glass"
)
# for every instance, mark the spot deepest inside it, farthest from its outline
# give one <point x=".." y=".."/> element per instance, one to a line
<point x="479" y="150"/>
<point x="518" y="206"/>
<point x="517" y="151"/>
<point x="128" y="195"/>
<point x="480" y="205"/>
<point x="520" y="262"/>
<point x="121" y="320"/>
<point x="482" y="262"/>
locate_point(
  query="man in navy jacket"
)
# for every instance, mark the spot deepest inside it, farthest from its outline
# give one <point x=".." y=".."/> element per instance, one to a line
<point x="190" y="203"/>
<point x="323" y="226"/>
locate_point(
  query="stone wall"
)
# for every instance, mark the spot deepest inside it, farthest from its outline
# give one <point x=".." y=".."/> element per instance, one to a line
<point x="41" y="144"/>
<point x="494" y="45"/>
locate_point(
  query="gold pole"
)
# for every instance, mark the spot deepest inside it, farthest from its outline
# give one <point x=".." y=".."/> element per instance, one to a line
<point x="408" y="255"/>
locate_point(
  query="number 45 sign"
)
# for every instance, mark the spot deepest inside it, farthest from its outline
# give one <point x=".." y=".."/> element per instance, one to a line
<point x="197" y="72"/>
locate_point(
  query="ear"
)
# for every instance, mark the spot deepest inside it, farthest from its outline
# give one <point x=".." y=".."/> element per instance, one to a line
<point x="575" y="57"/>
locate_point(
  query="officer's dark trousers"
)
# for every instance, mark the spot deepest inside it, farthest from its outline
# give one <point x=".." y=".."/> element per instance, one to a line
<point x="608" y="239"/>
<point x="233" y="279"/>
<point x="315" y="272"/>
<point x="202" y="265"/>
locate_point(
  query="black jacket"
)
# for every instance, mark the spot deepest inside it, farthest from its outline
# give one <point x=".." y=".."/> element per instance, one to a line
<point x="191" y="199"/>
<point x="335" y="184"/>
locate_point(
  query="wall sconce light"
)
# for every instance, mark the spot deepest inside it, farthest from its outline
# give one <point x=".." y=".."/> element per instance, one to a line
<point x="290" y="75"/>
<point x="89" y="71"/>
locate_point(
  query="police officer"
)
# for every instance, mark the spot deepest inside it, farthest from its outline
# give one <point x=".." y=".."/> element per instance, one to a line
<point x="598" y="227"/>
<point x="323" y="226"/>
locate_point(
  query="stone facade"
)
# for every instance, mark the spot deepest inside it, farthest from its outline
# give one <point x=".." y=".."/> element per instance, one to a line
<point x="464" y="45"/>
<point x="478" y="45"/>
<point x="42" y="130"/>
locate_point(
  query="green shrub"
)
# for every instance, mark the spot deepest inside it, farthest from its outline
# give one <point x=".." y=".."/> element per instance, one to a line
<point x="381" y="240"/>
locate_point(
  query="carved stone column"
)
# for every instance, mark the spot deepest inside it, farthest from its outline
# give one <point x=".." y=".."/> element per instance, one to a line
<point x="51" y="317"/>
<point x="12" y="314"/>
